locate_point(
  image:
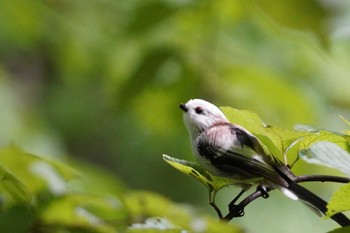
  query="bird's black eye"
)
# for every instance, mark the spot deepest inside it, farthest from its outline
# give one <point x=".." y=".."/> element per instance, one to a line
<point x="198" y="110"/>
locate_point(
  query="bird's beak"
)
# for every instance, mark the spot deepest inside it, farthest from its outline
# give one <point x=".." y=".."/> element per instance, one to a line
<point x="183" y="107"/>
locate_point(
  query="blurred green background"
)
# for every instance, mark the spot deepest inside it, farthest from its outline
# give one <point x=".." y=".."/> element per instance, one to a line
<point x="100" y="81"/>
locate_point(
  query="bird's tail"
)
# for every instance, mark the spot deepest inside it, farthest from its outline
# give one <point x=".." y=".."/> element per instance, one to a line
<point x="316" y="202"/>
<point x="296" y="191"/>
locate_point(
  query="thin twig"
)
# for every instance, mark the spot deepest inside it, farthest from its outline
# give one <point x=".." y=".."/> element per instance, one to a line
<point x="321" y="178"/>
<point x="238" y="210"/>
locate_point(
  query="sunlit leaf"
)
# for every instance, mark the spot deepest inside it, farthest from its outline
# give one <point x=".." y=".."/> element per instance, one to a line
<point x="55" y="182"/>
<point x="280" y="141"/>
<point x="252" y="122"/>
<point x="213" y="183"/>
<point x="35" y="172"/>
<point x="78" y="210"/>
<point x="340" y="201"/>
<point x="13" y="186"/>
<point x="328" y="154"/>
<point x="277" y="140"/>
<point x="143" y="203"/>
<point x="245" y="118"/>
<point x="323" y="135"/>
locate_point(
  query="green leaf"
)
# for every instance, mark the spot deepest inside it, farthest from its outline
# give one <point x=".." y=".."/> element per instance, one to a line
<point x="23" y="175"/>
<point x="328" y="154"/>
<point x="213" y="183"/>
<point x="245" y="118"/>
<point x="278" y="141"/>
<point x="323" y="135"/>
<point x="13" y="186"/>
<point x="253" y="123"/>
<point x="83" y="211"/>
<point x="340" y="201"/>
<point x="341" y="230"/>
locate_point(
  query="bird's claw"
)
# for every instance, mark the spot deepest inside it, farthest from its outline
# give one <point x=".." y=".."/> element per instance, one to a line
<point x="237" y="210"/>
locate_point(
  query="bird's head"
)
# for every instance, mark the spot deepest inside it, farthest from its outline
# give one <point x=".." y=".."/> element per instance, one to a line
<point x="199" y="115"/>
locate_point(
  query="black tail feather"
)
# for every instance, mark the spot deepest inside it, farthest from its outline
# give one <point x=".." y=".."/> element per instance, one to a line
<point x="317" y="202"/>
<point x="309" y="197"/>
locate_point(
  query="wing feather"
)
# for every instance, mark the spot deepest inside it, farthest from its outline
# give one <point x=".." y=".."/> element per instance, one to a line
<point x="245" y="159"/>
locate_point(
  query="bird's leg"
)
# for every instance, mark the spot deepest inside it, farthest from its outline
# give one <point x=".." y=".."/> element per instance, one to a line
<point x="232" y="207"/>
<point x="263" y="190"/>
<point x="238" y="210"/>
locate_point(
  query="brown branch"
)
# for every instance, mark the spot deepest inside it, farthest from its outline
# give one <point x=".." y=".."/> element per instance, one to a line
<point x="321" y="178"/>
<point x="238" y="210"/>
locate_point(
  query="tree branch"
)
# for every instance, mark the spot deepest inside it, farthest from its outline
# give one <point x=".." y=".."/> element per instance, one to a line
<point x="321" y="178"/>
<point x="238" y="210"/>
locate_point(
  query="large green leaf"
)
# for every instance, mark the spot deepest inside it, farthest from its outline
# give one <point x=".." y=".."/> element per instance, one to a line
<point x="328" y="154"/>
<point x="277" y="140"/>
<point x="280" y="142"/>
<point x="245" y="118"/>
<point x="213" y="183"/>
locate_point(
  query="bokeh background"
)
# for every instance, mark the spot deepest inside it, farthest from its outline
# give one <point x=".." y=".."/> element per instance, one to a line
<point x="100" y="82"/>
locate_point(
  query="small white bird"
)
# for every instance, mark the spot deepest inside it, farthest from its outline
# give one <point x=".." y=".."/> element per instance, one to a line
<point x="229" y="150"/>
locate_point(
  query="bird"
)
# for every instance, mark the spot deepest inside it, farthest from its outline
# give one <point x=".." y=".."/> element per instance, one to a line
<point x="229" y="150"/>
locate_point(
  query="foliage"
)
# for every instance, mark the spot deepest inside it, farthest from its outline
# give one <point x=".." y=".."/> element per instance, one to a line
<point x="316" y="146"/>
<point x="341" y="230"/>
<point x="49" y="196"/>
<point x="213" y="183"/>
<point x="100" y="81"/>
<point x="339" y="201"/>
